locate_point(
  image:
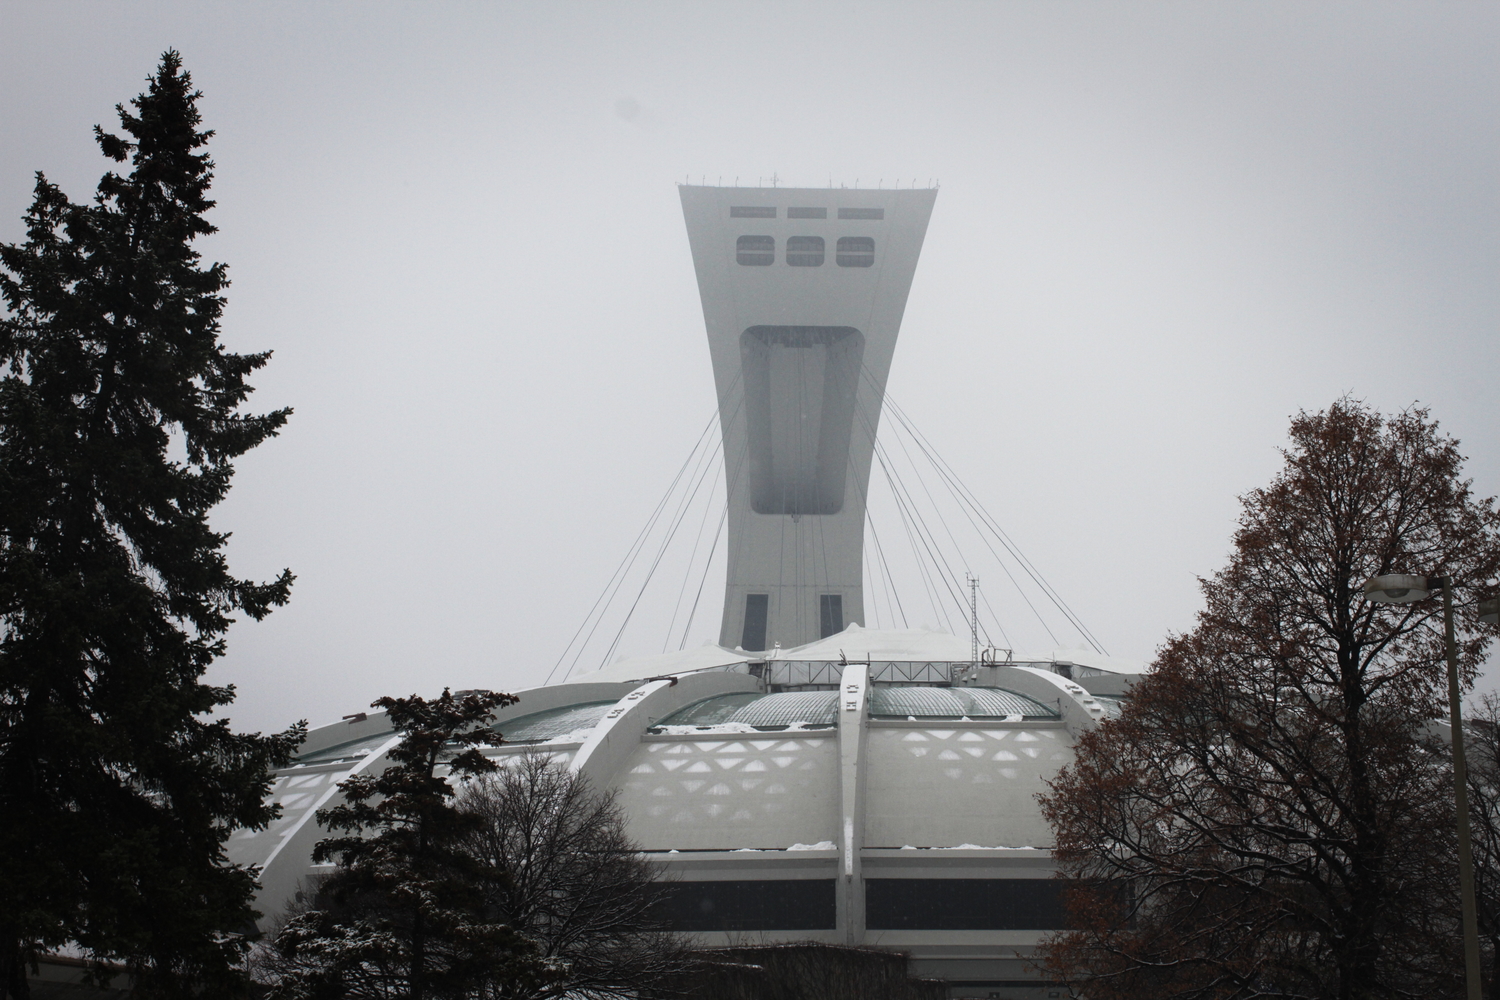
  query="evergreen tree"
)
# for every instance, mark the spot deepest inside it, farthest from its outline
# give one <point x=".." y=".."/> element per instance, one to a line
<point x="119" y="424"/>
<point x="406" y="913"/>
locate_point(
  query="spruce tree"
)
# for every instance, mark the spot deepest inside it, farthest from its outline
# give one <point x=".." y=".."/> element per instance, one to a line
<point x="407" y="914"/>
<point x="119" y="424"/>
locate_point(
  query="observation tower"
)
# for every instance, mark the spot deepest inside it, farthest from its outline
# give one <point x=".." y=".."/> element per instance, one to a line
<point x="807" y="778"/>
<point x="803" y="291"/>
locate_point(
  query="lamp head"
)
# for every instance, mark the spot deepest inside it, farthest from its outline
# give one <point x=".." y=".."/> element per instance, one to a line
<point x="1397" y="589"/>
<point x="1489" y="611"/>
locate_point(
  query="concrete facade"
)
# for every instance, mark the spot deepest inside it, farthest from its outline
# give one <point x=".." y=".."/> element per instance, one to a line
<point x="836" y="822"/>
<point x="803" y="292"/>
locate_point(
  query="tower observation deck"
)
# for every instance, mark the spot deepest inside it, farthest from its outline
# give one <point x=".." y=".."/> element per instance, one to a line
<point x="803" y="291"/>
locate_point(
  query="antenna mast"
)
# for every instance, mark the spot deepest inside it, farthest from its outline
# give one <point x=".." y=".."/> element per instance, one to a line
<point x="973" y="619"/>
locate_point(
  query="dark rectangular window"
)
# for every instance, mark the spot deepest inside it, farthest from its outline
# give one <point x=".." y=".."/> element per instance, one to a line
<point x="831" y="613"/>
<point x="757" y="608"/>
<point x="804" y="251"/>
<point x="755" y="251"/>
<point x="807" y="213"/>
<point x="855" y="251"/>
<point x="964" y="904"/>
<point x="805" y="904"/>
<point x="861" y="213"/>
<point x="752" y="212"/>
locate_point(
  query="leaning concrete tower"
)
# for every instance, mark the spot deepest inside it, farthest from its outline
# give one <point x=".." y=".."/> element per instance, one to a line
<point x="803" y="291"/>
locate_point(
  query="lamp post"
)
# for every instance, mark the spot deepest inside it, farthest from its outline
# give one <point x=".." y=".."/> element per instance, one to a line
<point x="1396" y="589"/>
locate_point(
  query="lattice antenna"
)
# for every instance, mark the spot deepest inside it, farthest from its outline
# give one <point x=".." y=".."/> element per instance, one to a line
<point x="973" y="619"/>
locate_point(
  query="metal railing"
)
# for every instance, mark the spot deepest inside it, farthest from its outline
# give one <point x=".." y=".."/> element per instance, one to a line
<point x="826" y="673"/>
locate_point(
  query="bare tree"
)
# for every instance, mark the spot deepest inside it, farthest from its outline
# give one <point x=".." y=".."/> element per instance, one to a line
<point x="1268" y="817"/>
<point x="577" y="887"/>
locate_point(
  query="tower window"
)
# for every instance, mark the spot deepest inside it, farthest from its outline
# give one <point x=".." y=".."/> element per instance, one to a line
<point x="757" y="608"/>
<point x="755" y="251"/>
<point x="854" y="251"/>
<point x="807" y="213"/>
<point x="752" y="211"/>
<point x="804" y="251"/>
<point x="831" y="614"/>
<point x="862" y="213"/>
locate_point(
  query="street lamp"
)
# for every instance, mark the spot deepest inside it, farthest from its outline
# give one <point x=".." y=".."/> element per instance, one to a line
<point x="1396" y="589"/>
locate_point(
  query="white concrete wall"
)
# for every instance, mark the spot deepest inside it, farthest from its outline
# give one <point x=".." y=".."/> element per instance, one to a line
<point x="714" y="806"/>
<point x="797" y="559"/>
<point x="943" y="785"/>
<point x="724" y="793"/>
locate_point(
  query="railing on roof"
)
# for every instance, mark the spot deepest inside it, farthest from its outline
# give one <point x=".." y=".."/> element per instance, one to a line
<point x="819" y="709"/>
<point x="808" y="673"/>
<point x="913" y="672"/>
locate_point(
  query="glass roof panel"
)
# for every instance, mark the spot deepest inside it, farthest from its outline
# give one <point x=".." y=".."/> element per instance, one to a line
<point x="954" y="703"/>
<point x="1112" y="706"/>
<point x="813" y="708"/>
<point x="532" y="728"/>
<point x="820" y="708"/>
<point x="349" y="750"/>
<point x="554" y="722"/>
<point x="998" y="701"/>
<point x="710" y="711"/>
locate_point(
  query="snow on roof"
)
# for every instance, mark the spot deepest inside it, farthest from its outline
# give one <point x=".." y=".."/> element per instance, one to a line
<point x="923" y="645"/>
<point x="901" y="644"/>
<point x="854" y="644"/>
<point x="682" y="661"/>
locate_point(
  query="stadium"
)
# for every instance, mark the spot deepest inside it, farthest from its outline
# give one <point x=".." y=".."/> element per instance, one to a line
<point x="805" y="778"/>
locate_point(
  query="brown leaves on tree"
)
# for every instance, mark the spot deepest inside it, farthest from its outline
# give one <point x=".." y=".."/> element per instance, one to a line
<point x="1270" y="817"/>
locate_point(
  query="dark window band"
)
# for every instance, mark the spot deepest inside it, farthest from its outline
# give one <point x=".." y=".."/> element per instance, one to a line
<point x="862" y="213"/>
<point x="752" y="211"/>
<point x="760" y="905"/>
<point x="964" y="904"/>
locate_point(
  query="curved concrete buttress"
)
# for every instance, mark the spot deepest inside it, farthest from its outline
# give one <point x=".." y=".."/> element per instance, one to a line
<point x="616" y="736"/>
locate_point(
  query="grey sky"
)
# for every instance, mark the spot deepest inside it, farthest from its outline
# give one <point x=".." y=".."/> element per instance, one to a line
<point x="1163" y="229"/>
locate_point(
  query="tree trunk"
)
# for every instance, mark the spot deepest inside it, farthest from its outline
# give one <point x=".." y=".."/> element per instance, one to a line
<point x="13" y="981"/>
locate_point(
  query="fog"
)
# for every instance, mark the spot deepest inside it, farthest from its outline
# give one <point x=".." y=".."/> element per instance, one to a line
<point x="1163" y="229"/>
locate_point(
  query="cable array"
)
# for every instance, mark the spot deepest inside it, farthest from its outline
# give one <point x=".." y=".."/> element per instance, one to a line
<point x="696" y="469"/>
<point x="1008" y="555"/>
<point x="911" y="470"/>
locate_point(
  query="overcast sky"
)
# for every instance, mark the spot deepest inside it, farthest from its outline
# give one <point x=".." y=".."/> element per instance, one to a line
<point x="1163" y="229"/>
